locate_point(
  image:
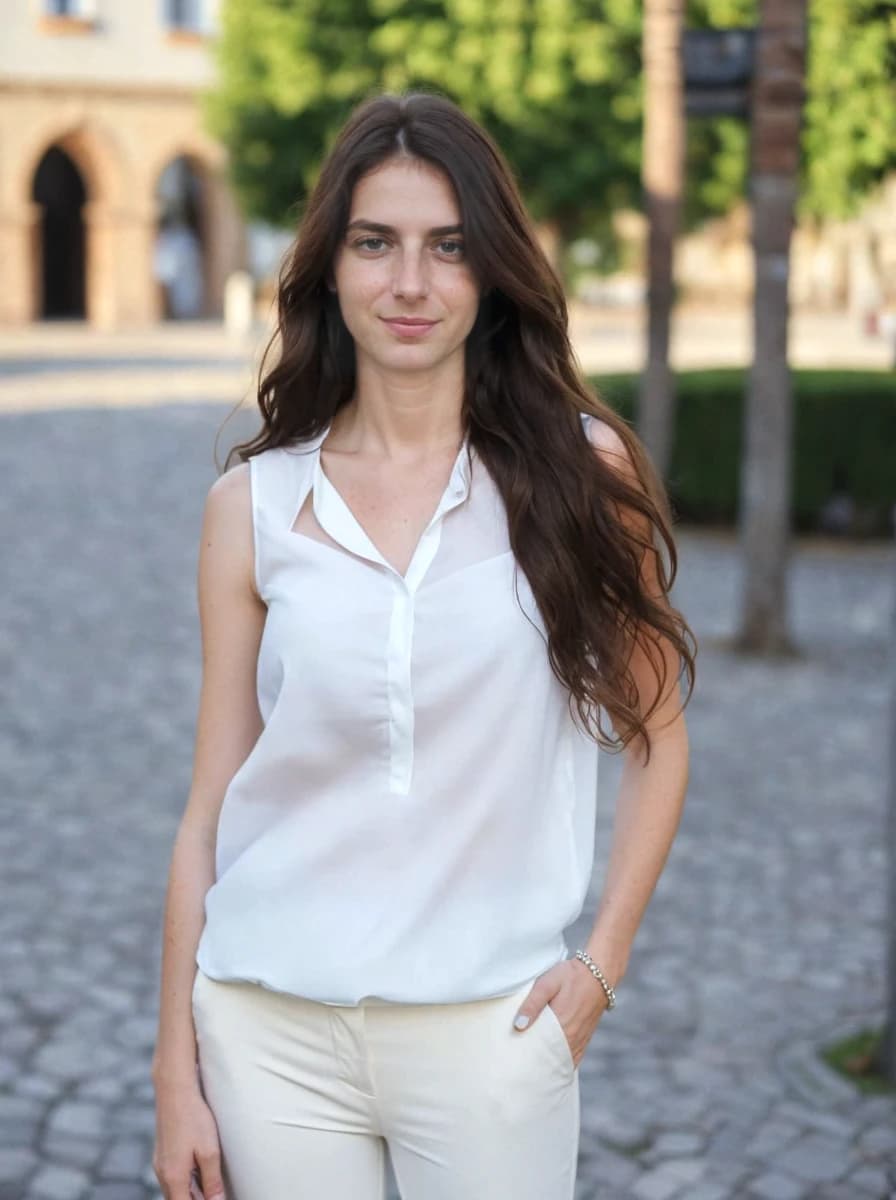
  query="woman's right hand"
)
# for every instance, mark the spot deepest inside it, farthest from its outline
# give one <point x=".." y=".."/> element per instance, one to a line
<point x="186" y="1139"/>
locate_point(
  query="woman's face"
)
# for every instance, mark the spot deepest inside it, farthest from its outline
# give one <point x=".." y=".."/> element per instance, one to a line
<point x="403" y="255"/>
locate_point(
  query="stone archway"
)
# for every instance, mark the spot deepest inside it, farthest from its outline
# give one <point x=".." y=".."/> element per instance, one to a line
<point x="60" y="192"/>
<point x="181" y="249"/>
<point x="211" y="214"/>
<point x="66" y="265"/>
<point x="119" y="142"/>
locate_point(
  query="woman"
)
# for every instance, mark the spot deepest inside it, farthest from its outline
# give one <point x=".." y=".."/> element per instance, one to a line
<point x="434" y="567"/>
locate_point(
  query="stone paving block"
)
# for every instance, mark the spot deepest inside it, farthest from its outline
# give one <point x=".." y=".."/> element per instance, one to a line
<point x="879" y="1141"/>
<point x="817" y="1158"/>
<point x="835" y="1191"/>
<point x="613" y="1170"/>
<point x="836" y="1123"/>
<point x="70" y="1150"/>
<point x="126" y="1158"/>
<point x="18" y="1039"/>
<point x="710" y="1189"/>
<point x="771" y="1137"/>
<point x="727" y="1144"/>
<point x="103" y="1088"/>
<point x="58" y="1183"/>
<point x="16" y="1162"/>
<point x="688" y="1170"/>
<point x="660" y="1183"/>
<point x="132" y="1118"/>
<point x="19" y="1108"/>
<point x="772" y="1185"/>
<point x="707" y="1190"/>
<point x="79" y="1118"/>
<point x="669" y="1143"/>
<point x="73" y="1059"/>
<point x="870" y="1181"/>
<point x="35" y="1087"/>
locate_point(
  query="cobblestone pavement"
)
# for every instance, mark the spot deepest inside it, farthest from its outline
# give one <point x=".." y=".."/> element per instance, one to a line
<point x="764" y="940"/>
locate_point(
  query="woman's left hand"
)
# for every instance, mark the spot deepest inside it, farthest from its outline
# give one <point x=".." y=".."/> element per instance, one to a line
<point x="576" y="997"/>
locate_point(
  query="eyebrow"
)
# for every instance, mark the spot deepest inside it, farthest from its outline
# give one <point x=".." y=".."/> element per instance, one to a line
<point x="437" y="231"/>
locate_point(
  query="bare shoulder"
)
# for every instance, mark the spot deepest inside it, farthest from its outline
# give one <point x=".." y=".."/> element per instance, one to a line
<point x="609" y="445"/>
<point x="227" y="534"/>
<point x="230" y="492"/>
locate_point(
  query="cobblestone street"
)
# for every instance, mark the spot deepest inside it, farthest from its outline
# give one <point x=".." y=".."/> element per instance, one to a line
<point x="764" y="940"/>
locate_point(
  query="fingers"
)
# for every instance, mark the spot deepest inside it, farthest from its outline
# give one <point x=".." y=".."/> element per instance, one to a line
<point x="175" y="1185"/>
<point x="211" y="1176"/>
<point x="204" y="1182"/>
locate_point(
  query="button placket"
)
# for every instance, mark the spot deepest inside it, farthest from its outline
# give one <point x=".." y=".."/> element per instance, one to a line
<point x="337" y="519"/>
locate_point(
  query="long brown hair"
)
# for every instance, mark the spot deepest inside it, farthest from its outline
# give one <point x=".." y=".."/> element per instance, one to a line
<point x="579" y="528"/>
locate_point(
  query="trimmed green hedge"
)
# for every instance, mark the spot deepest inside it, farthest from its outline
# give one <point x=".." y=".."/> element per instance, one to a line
<point x="844" y="432"/>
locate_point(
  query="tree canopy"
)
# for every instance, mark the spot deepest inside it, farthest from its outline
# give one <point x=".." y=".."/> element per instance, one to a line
<point x="557" y="82"/>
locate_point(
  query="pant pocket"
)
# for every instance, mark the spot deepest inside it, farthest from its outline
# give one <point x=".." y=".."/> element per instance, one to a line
<point x="558" y="1036"/>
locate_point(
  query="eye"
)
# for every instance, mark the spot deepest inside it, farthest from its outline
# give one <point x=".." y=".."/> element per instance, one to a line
<point x="458" y="248"/>
<point x="366" y="242"/>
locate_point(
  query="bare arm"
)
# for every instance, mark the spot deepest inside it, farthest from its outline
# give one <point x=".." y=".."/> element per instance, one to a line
<point x="651" y="798"/>
<point x="228" y="725"/>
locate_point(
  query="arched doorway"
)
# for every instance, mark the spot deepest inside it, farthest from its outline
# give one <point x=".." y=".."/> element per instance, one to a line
<point x="59" y="189"/>
<point x="180" y="259"/>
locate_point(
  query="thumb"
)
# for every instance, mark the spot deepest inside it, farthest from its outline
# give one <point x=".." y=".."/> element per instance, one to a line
<point x="528" y="1010"/>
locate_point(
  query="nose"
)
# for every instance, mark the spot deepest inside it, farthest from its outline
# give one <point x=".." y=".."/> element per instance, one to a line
<point x="410" y="278"/>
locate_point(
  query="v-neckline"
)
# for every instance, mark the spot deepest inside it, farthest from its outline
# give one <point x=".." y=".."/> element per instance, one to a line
<point x="337" y="519"/>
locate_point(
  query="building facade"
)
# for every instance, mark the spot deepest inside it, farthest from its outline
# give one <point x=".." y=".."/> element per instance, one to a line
<point x="107" y="177"/>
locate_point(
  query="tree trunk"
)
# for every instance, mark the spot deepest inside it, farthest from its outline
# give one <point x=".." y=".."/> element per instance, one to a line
<point x="768" y="418"/>
<point x="888" y="1047"/>
<point x="662" y="177"/>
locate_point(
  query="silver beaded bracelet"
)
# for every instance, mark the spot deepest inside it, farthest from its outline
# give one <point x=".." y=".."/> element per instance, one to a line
<point x="595" y="970"/>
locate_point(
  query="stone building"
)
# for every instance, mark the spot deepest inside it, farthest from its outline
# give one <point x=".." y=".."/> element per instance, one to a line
<point x="101" y="149"/>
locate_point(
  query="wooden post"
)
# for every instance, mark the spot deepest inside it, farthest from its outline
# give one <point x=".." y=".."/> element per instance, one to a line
<point x="662" y="177"/>
<point x="776" y="109"/>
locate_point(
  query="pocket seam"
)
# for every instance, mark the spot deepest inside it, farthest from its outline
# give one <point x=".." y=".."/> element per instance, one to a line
<point x="555" y="1020"/>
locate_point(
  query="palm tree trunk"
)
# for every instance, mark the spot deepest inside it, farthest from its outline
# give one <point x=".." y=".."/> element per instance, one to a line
<point x="662" y="176"/>
<point x="888" y="1046"/>
<point x="765" y="499"/>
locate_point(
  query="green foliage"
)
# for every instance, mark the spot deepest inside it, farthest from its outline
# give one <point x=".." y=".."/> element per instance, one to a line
<point x="557" y="82"/>
<point x="844" y="425"/>
<point x="859" y="1057"/>
<point x="850" y="116"/>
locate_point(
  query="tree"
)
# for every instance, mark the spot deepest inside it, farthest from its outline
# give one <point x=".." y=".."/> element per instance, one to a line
<point x="888" y="1041"/>
<point x="766" y="473"/>
<point x="849" y="125"/>
<point x="664" y="131"/>
<point x="557" y="83"/>
<point x="850" y="134"/>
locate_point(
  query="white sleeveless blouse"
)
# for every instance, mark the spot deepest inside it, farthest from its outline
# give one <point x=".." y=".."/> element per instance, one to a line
<point x="416" y="820"/>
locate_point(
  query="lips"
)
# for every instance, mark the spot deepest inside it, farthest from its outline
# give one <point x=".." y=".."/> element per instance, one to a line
<point x="413" y="326"/>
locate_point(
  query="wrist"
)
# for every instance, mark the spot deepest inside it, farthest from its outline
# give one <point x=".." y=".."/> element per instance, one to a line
<point x="613" y="961"/>
<point x="179" y="1076"/>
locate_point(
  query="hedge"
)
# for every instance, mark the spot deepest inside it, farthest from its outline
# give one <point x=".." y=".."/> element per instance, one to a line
<point x="844" y="440"/>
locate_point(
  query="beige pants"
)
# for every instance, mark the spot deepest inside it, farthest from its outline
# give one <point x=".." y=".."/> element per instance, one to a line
<point x="306" y="1095"/>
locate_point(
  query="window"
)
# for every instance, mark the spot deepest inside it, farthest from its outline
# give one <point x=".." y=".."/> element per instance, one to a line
<point x="85" y="9"/>
<point x="67" y="16"/>
<point x="184" y="14"/>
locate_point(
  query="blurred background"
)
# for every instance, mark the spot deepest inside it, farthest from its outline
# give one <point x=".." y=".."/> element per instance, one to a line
<point x="715" y="183"/>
